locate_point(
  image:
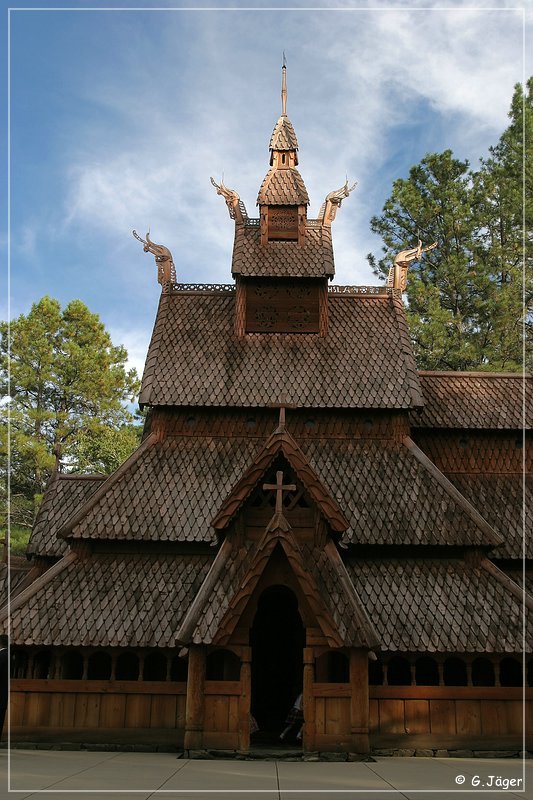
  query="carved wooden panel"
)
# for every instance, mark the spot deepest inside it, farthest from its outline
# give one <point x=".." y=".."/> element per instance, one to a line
<point x="283" y="223"/>
<point x="274" y="306"/>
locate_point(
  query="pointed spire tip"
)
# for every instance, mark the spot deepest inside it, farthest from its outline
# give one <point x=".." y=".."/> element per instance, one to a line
<point x="284" y="88"/>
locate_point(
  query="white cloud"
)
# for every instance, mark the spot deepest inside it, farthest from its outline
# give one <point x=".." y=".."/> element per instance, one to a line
<point x="357" y="77"/>
<point x="135" y="340"/>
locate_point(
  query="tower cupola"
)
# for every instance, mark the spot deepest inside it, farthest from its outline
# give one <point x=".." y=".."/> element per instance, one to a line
<point x="282" y="197"/>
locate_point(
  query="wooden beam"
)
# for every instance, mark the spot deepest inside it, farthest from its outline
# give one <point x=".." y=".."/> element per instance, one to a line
<point x="359" y="706"/>
<point x="245" y="700"/>
<point x="308" y="699"/>
<point x="194" y="712"/>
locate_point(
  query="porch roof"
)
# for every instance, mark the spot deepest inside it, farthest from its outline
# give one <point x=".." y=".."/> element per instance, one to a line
<point x="442" y="605"/>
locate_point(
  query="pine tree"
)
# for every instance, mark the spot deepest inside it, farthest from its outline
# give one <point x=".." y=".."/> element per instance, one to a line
<point x="68" y="385"/>
<point x="465" y="304"/>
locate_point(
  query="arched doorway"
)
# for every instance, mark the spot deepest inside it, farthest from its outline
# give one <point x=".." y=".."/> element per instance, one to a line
<point x="277" y="639"/>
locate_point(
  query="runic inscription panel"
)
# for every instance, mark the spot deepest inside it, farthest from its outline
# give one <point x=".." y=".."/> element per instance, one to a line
<point x="282" y="307"/>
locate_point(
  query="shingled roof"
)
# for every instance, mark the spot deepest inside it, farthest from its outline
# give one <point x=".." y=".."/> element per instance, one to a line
<point x="166" y="491"/>
<point x="283" y="187"/>
<point x="63" y="497"/>
<point x="474" y="400"/>
<point x="109" y="600"/>
<point x="364" y="361"/>
<point x="409" y="603"/>
<point x="392" y="494"/>
<point x="172" y="490"/>
<point x="501" y="499"/>
<point x="314" y="259"/>
<point x="283" y="136"/>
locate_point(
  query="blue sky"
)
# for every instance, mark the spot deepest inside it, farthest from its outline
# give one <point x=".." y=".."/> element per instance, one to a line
<point x="119" y="118"/>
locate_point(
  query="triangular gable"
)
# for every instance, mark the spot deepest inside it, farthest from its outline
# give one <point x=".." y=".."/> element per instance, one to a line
<point x="236" y="572"/>
<point x="282" y="442"/>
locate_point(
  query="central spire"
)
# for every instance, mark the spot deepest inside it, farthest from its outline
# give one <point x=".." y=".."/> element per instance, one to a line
<point x="284" y="88"/>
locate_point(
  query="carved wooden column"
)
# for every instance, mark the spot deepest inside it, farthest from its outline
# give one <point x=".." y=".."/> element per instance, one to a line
<point x="360" y="713"/>
<point x="245" y="699"/>
<point x="194" y="711"/>
<point x="308" y="699"/>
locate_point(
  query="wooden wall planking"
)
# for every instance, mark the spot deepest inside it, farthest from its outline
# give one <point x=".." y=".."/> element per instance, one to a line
<point x="416" y="716"/>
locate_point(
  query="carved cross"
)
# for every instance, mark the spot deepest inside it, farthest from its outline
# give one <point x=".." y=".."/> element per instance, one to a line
<point x="279" y="488"/>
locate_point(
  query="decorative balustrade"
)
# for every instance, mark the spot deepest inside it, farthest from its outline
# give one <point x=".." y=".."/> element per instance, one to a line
<point x="230" y="287"/>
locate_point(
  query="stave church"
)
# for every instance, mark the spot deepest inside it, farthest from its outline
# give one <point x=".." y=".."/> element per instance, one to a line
<point x="307" y="514"/>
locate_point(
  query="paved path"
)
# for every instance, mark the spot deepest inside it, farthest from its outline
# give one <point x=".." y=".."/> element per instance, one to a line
<point x="82" y="775"/>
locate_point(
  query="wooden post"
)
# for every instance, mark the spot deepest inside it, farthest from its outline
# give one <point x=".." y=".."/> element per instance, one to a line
<point x="359" y="710"/>
<point x="469" y="671"/>
<point x="194" y="710"/>
<point x="308" y="699"/>
<point x="245" y="699"/>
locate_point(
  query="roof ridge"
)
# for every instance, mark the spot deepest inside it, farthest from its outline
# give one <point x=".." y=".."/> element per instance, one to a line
<point x="407" y="351"/>
<point x="519" y="592"/>
<point x="149" y="367"/>
<point x="458" y="374"/>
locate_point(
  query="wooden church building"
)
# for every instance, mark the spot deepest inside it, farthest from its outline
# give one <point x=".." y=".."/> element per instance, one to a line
<point x="306" y="513"/>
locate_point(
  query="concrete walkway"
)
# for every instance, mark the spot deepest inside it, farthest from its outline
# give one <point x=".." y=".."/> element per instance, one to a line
<point x="82" y="775"/>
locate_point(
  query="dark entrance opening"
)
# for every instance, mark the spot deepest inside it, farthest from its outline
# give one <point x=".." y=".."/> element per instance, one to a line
<point x="278" y="639"/>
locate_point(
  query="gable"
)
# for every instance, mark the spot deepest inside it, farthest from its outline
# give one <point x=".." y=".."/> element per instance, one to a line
<point x="235" y="574"/>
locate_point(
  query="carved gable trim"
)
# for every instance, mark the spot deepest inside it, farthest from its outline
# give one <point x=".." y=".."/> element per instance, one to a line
<point x="281" y="442"/>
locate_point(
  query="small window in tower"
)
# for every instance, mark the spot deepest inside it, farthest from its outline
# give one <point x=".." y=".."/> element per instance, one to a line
<point x="283" y="157"/>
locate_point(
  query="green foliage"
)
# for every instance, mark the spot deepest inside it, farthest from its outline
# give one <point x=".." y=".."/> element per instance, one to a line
<point x="68" y="390"/>
<point x="465" y="301"/>
<point x="18" y="539"/>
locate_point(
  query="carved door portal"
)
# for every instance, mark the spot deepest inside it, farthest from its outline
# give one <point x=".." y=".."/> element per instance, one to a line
<point x="277" y="639"/>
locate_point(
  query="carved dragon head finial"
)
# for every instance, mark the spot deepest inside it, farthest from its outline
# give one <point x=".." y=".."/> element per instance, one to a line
<point x="166" y="271"/>
<point x="236" y="208"/>
<point x="397" y="277"/>
<point x="334" y="200"/>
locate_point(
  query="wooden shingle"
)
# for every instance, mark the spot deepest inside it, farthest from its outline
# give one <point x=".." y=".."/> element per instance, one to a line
<point x="441" y="605"/>
<point x="195" y="358"/>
